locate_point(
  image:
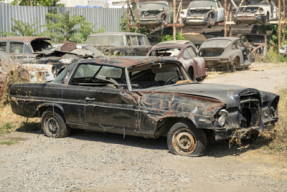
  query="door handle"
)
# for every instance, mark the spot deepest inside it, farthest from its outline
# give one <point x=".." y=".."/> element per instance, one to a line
<point x="90" y="99"/>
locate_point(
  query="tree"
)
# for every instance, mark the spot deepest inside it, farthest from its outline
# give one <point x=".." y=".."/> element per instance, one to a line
<point x="170" y="37"/>
<point x="24" y="29"/>
<point x="36" y="3"/>
<point x="66" y="28"/>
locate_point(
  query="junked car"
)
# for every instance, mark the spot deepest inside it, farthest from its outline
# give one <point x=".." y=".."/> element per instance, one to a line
<point x="152" y="13"/>
<point x="23" y="72"/>
<point x="120" y="43"/>
<point x="225" y="52"/>
<point x="148" y="97"/>
<point x="23" y="48"/>
<point x="256" y="11"/>
<point x="283" y="50"/>
<point x="203" y="12"/>
<point x="257" y="43"/>
<point x="173" y="42"/>
<point x="186" y="54"/>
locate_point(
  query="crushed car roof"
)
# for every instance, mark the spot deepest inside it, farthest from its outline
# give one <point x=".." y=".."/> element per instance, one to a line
<point x="23" y="38"/>
<point x="126" y="62"/>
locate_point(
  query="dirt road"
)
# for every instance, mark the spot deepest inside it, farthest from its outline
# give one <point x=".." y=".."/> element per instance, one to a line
<point x="91" y="161"/>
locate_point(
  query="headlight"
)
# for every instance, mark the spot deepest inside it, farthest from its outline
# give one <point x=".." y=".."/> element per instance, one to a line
<point x="260" y="10"/>
<point x="222" y="117"/>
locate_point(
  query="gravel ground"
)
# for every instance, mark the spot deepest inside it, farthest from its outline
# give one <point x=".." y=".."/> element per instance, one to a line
<point x="91" y="161"/>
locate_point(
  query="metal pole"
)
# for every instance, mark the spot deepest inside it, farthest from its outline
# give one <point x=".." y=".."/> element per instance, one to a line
<point x="174" y="20"/>
<point x="230" y="18"/>
<point x="54" y="3"/>
<point x="128" y="15"/>
<point x="279" y="26"/>
<point x="136" y="11"/>
<point x="283" y="26"/>
<point x="225" y="17"/>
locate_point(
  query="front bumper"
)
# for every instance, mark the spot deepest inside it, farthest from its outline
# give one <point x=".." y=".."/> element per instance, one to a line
<point x="195" y="21"/>
<point x="150" y="22"/>
<point x="249" y="18"/>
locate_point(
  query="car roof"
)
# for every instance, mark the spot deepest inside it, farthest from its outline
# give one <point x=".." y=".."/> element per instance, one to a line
<point x="182" y="46"/>
<point x="174" y="41"/>
<point x="23" y="38"/>
<point x="126" y="62"/>
<point x="115" y="33"/>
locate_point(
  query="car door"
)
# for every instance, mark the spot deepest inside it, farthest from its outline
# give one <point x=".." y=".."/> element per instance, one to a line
<point x="106" y="106"/>
<point x="21" y="51"/>
<point x="220" y="10"/>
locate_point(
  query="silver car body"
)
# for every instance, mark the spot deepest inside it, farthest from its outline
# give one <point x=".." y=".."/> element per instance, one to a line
<point x="202" y="12"/>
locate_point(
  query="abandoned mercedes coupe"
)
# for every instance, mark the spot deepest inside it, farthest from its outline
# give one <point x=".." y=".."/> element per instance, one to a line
<point x="148" y="97"/>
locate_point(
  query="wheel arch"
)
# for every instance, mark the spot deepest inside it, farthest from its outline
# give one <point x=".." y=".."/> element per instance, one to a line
<point x="43" y="107"/>
<point x="164" y="124"/>
<point x="191" y="71"/>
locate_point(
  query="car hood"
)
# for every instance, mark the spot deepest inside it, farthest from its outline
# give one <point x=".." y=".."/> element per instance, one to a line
<point x="228" y="94"/>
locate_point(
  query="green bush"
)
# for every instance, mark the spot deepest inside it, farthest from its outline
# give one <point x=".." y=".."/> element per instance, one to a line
<point x="6" y="128"/>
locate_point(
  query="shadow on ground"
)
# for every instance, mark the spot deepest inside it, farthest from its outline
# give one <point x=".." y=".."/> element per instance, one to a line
<point x="214" y="148"/>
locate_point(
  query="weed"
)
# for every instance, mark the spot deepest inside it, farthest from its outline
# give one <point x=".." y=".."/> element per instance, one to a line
<point x="272" y="57"/>
<point x="29" y="126"/>
<point x="7" y="142"/>
<point x="6" y="128"/>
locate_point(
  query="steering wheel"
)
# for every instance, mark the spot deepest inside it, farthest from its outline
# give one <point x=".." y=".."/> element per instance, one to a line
<point x="169" y="80"/>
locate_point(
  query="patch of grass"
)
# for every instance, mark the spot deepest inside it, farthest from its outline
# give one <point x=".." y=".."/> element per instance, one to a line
<point x="277" y="138"/>
<point x="7" y="142"/>
<point x="272" y="57"/>
<point x="29" y="126"/>
<point x="6" y="128"/>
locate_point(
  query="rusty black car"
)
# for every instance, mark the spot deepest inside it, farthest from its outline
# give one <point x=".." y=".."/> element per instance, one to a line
<point x="148" y="97"/>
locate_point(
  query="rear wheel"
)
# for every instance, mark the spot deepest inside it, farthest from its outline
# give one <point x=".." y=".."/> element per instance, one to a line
<point x="184" y="139"/>
<point x="53" y="124"/>
<point x="234" y="64"/>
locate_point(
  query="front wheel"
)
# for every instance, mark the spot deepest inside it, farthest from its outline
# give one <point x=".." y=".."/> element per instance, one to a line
<point x="53" y="124"/>
<point x="184" y="139"/>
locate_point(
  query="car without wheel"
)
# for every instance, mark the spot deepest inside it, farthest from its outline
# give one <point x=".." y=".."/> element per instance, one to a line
<point x="147" y="97"/>
<point x="225" y="52"/>
<point x="186" y="54"/>
<point x="153" y="13"/>
<point x="255" y="11"/>
<point x="203" y="12"/>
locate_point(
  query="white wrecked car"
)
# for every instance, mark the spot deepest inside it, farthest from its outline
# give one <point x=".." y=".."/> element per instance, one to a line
<point x="203" y="12"/>
<point x="256" y="11"/>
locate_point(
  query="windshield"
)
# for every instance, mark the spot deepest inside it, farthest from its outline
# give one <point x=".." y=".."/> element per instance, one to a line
<point x="156" y="75"/>
<point x="255" y="2"/>
<point x="219" y="43"/>
<point x="106" y="40"/>
<point x="153" y="6"/>
<point x="208" y="4"/>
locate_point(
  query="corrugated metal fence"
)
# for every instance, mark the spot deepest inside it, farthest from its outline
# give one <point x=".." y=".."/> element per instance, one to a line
<point x="108" y="17"/>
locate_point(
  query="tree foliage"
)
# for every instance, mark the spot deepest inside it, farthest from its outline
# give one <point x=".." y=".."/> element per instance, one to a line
<point x="64" y="27"/>
<point x="170" y="37"/>
<point x="124" y="26"/>
<point x="19" y="28"/>
<point x="36" y="3"/>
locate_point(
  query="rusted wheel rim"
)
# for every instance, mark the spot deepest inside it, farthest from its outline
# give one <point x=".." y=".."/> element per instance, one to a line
<point x="184" y="141"/>
<point x="51" y="123"/>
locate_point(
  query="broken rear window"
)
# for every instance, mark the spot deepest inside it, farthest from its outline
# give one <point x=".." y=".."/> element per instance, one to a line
<point x="218" y="43"/>
<point x="171" y="52"/>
